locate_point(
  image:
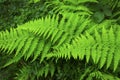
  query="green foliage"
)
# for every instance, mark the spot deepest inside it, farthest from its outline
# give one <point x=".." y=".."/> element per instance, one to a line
<point x="35" y="71"/>
<point x="101" y="76"/>
<point x="14" y="12"/>
<point x="77" y="6"/>
<point x="98" y="48"/>
<point x="27" y="39"/>
<point x="60" y="40"/>
<point x="106" y="9"/>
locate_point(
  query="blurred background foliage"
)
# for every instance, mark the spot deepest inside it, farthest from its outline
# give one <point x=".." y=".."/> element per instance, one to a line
<point x="17" y="12"/>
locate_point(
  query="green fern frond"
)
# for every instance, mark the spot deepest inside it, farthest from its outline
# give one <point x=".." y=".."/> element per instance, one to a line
<point x="98" y="47"/>
<point x="91" y="74"/>
<point x="96" y="75"/>
<point x="80" y="1"/>
<point x="54" y="30"/>
<point x="24" y="73"/>
<point x="15" y="59"/>
<point x="71" y="6"/>
<point x="35" y="38"/>
<point x="101" y="76"/>
<point x="87" y="71"/>
<point x="35" y="71"/>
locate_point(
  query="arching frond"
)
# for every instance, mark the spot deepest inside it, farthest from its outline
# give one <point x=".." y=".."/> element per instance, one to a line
<point x="103" y="48"/>
<point x="36" y="38"/>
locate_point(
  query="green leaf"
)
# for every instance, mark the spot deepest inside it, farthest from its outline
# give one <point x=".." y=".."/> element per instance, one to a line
<point x="32" y="48"/>
<point x="98" y="16"/>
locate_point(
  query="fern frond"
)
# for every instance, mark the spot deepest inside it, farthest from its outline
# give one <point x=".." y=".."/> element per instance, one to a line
<point x="96" y="75"/>
<point x="35" y="38"/>
<point x="101" y="76"/>
<point x="80" y="1"/>
<point x="71" y="6"/>
<point x="35" y="71"/>
<point x="87" y="71"/>
<point x="54" y="30"/>
<point x="23" y="42"/>
<point x="24" y="73"/>
<point x="15" y="59"/>
<point x="98" y="47"/>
